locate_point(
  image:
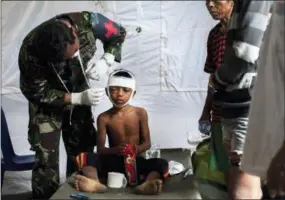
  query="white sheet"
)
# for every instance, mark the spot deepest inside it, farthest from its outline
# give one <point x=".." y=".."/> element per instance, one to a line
<point x="167" y="59"/>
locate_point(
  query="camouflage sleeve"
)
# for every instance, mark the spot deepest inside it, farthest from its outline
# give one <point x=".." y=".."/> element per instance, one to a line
<point x="35" y="87"/>
<point x="110" y="33"/>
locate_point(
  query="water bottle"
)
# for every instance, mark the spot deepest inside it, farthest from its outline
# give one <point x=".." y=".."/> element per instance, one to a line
<point x="153" y="152"/>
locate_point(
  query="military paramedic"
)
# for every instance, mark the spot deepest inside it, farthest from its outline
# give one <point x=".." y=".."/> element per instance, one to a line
<point x="55" y="67"/>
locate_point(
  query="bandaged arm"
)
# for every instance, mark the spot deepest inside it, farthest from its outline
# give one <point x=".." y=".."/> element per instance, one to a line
<point x="245" y="36"/>
<point x="110" y="33"/>
<point x="101" y="137"/>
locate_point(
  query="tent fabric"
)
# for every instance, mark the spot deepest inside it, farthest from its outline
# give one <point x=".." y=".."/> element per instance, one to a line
<point x="167" y="58"/>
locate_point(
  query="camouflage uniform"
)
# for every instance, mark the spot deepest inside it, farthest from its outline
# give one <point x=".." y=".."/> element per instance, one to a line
<point x="48" y="116"/>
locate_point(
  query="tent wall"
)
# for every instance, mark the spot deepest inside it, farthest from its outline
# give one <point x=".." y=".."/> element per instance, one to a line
<point x="167" y="58"/>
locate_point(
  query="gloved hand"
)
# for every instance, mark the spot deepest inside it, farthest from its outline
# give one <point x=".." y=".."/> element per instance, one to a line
<point x="88" y="97"/>
<point x="98" y="69"/>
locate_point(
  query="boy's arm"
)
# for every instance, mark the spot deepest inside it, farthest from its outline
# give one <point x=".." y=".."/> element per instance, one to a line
<point x="101" y="137"/>
<point x="208" y="106"/>
<point x="144" y="132"/>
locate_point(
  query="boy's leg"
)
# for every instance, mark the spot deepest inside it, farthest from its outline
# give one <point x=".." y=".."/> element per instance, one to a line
<point x="156" y="171"/>
<point x="87" y="178"/>
<point x="91" y="167"/>
<point x="234" y="132"/>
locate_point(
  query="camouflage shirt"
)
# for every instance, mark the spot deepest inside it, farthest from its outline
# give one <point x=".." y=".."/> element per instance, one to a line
<point x="41" y="81"/>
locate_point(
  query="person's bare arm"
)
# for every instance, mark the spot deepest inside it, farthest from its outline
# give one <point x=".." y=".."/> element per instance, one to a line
<point x="101" y="137"/>
<point x="144" y="132"/>
<point x="206" y="113"/>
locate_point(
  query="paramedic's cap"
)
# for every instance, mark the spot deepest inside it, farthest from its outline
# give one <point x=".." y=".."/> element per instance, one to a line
<point x="122" y="81"/>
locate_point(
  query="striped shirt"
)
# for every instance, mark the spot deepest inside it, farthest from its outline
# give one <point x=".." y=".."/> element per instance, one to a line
<point x="246" y="29"/>
<point x="245" y="32"/>
<point x="267" y="117"/>
<point x="215" y="50"/>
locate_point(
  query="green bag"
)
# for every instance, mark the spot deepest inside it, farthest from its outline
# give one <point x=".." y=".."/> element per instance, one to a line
<point x="201" y="160"/>
<point x="218" y="159"/>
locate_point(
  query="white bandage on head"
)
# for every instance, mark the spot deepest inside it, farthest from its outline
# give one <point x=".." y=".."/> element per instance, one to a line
<point x="121" y="81"/>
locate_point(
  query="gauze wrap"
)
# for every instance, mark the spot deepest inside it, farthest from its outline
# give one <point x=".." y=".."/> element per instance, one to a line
<point x="121" y="82"/>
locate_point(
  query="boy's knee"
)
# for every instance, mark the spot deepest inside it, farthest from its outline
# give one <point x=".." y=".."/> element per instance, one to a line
<point x="161" y="166"/>
<point x="162" y="163"/>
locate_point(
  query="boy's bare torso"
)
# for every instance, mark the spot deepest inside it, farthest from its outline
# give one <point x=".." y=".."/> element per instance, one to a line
<point x="123" y="126"/>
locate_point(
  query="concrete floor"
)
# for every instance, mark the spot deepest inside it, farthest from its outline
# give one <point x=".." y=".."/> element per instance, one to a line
<point x="178" y="155"/>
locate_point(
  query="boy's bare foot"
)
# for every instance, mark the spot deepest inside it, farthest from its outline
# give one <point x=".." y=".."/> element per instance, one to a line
<point x="85" y="184"/>
<point x="149" y="187"/>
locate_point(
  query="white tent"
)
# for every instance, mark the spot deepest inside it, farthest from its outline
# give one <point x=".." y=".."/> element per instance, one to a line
<point x="167" y="58"/>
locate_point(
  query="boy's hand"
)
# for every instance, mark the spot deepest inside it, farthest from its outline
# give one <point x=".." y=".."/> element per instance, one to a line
<point x="120" y="149"/>
<point x="135" y="148"/>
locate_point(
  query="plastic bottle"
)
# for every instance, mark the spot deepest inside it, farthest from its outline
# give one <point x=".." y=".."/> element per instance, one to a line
<point x="153" y="152"/>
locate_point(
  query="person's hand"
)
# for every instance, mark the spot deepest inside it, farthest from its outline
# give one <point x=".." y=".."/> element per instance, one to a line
<point x="135" y="147"/>
<point x="97" y="69"/>
<point x="88" y="97"/>
<point x="204" y="126"/>
<point x="204" y="123"/>
<point x="276" y="174"/>
<point x="120" y="149"/>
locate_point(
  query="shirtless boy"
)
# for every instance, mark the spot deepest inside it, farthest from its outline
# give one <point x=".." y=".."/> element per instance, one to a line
<point x="123" y="124"/>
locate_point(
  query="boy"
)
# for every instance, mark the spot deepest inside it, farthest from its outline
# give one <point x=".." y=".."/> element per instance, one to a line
<point x="123" y="124"/>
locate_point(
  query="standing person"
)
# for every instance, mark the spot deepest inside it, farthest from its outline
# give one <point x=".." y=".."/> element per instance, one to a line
<point x="52" y="61"/>
<point x="235" y="78"/>
<point x="265" y="159"/>
<point x="210" y="117"/>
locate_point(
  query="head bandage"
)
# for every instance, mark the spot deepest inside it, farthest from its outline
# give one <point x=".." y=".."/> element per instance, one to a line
<point x="121" y="81"/>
